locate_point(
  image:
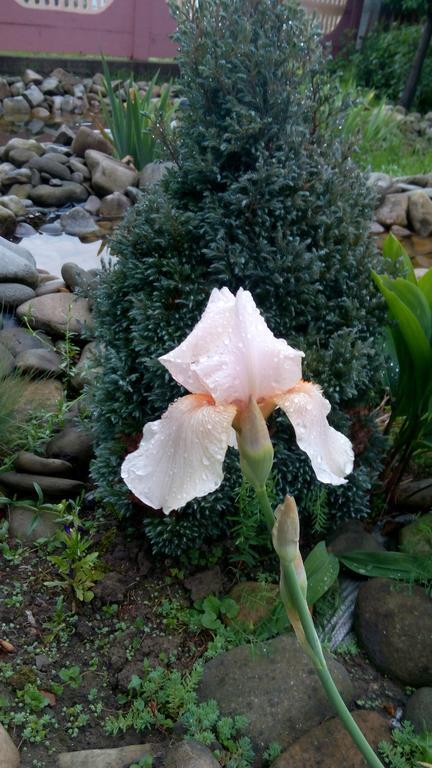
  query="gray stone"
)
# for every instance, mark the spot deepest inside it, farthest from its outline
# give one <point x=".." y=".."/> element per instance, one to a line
<point x="68" y="104"/>
<point x="28" y="145"/>
<point x="275" y="685"/>
<point x="33" y="95"/>
<point x="18" y="340"/>
<point x="64" y="135"/>
<point x="14" y="204"/>
<point x="27" y="525"/>
<point x="190" y="754"/>
<point x="30" y="76"/>
<point x="415" y="494"/>
<point x="114" y="206"/>
<point x="53" y="165"/>
<point x="419" y="710"/>
<point x="122" y="757"/>
<point x="55" y="197"/>
<point x="78" y="222"/>
<point x="420" y="213"/>
<point x="17" y="88"/>
<point x="152" y="174"/>
<point x="351" y="536"/>
<point x="204" y="583"/>
<point x="71" y="444"/>
<point x="416" y="538"/>
<point x="394" y="625"/>
<point x="394" y="210"/>
<point x="39" y="465"/>
<point x="330" y="746"/>
<point x="16" y="176"/>
<point x="52" y="228"/>
<point x="93" y="205"/>
<point x="25" y="230"/>
<point x="20" y="157"/>
<point x="16" y="105"/>
<point x="40" y="396"/>
<point x="376" y="229"/>
<point x="15" y="269"/>
<point x="39" y="361"/>
<point x="79" y="167"/>
<point x="7" y="221"/>
<point x="50" y="86"/>
<point x="57" y="313"/>
<point x="75" y="276"/>
<point x="10" y="757"/>
<point x="19" y="250"/>
<point x="54" y="487"/>
<point x="86" y="139"/>
<point x="14" y="294"/>
<point x="4" y="89"/>
<point x="51" y="286"/>
<point x="7" y="362"/>
<point x="109" y="175"/>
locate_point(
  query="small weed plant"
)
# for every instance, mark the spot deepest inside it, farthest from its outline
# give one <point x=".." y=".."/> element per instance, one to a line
<point x="407" y="749"/>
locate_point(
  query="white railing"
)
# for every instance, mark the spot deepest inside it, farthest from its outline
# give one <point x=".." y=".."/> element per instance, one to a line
<point x="73" y="6"/>
<point x="329" y="12"/>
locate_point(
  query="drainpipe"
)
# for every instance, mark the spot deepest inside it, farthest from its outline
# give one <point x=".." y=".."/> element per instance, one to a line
<point x="370" y="15"/>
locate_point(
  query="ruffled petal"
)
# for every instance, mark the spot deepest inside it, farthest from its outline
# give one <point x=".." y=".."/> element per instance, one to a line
<point x="251" y="362"/>
<point x="209" y="333"/>
<point x="330" y="452"/>
<point x="180" y="457"/>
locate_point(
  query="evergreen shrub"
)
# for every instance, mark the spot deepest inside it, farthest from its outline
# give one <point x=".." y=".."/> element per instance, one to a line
<point x="264" y="196"/>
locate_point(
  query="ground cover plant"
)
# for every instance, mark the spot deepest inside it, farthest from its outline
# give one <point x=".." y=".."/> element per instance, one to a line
<point x="264" y="195"/>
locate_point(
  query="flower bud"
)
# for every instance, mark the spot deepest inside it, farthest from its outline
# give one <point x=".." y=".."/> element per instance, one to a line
<point x="286" y="531"/>
<point x="254" y="444"/>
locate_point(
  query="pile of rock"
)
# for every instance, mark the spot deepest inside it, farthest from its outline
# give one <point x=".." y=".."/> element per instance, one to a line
<point x="404" y="207"/>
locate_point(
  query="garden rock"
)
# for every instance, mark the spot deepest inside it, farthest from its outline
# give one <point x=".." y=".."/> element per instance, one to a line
<point x="420" y="212"/>
<point x="18" y="340"/>
<point x="55" y="197"/>
<point x="18" y="250"/>
<point x="26" y="145"/>
<point x="39" y="465"/>
<point x="38" y="396"/>
<point x="112" y="588"/>
<point x="7" y="362"/>
<point x="14" y="204"/>
<point x="75" y="276"/>
<point x="64" y="135"/>
<point x="394" y="210"/>
<point x="78" y="222"/>
<point x="52" y="165"/>
<point x="391" y="618"/>
<point x="415" y="494"/>
<point x="71" y="444"/>
<point x="39" y="361"/>
<point x="10" y="757"/>
<point x="275" y="685"/>
<point x="113" y="206"/>
<point x="330" y="746"/>
<point x="87" y="139"/>
<point x="190" y="754"/>
<point x="109" y="175"/>
<point x="380" y="183"/>
<point x="204" y="583"/>
<point x="351" y="536"/>
<point x="30" y="76"/>
<point x="122" y="757"/>
<point x="419" y="710"/>
<point x="28" y="525"/>
<point x="14" y="294"/>
<point x="152" y="174"/>
<point x="16" y="176"/>
<point x="256" y="602"/>
<point x="86" y="368"/>
<point x="33" y="95"/>
<point x="7" y="221"/>
<point x="54" y="487"/>
<point x="57" y="313"/>
<point x="16" y="269"/>
<point x="16" y="105"/>
<point x="416" y="538"/>
<point x="4" y="89"/>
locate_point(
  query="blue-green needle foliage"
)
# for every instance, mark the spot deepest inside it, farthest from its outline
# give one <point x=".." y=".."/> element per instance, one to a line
<point x="265" y="196"/>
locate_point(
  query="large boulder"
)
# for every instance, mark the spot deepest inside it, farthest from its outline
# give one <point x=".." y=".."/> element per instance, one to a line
<point x="394" y="625"/>
<point x="15" y="268"/>
<point x="57" y="313"/>
<point x="109" y="175"/>
<point x="55" y="197"/>
<point x="120" y="757"/>
<point x="86" y="138"/>
<point x="420" y="212"/>
<point x="419" y="710"/>
<point x="78" y="222"/>
<point x="9" y="755"/>
<point x="393" y="210"/>
<point x="18" y="340"/>
<point x="14" y="294"/>
<point x="275" y="685"/>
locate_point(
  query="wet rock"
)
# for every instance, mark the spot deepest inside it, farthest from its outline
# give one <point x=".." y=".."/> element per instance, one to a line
<point x="93" y="205"/>
<point x="33" y="96"/>
<point x="152" y="174"/>
<point x="420" y="213"/>
<point x="275" y="685"/>
<point x="51" y="286"/>
<point x="50" y="86"/>
<point x="391" y="618"/>
<point x="419" y="710"/>
<point x="64" y="135"/>
<point x="71" y="444"/>
<point x="57" y="313"/>
<point x="14" y="294"/>
<point x="416" y="538"/>
<point x="25" y="230"/>
<point x="256" y="602"/>
<point x="55" y="197"/>
<point x="39" y="361"/>
<point x="112" y="588"/>
<point x="30" y="76"/>
<point x="330" y="746"/>
<point x="86" y="139"/>
<point x="40" y="113"/>
<point x="14" y="204"/>
<point x="20" y="157"/>
<point x="122" y="757"/>
<point x="52" y="165"/>
<point x="7" y="221"/>
<point x="190" y="754"/>
<point x="17" y="88"/>
<point x="205" y="583"/>
<point x="109" y="175"/>
<point x="16" y="176"/>
<point x="27" y="525"/>
<point x="14" y="268"/>
<point x="114" y="206"/>
<point x="16" y="105"/>
<point x="7" y="362"/>
<point x="352" y="537"/>
<point x="18" y="340"/>
<point x="394" y="210"/>
<point x="52" y="228"/>
<point x="75" y="276"/>
<point x="9" y="754"/>
<point x="54" y="487"/>
<point x="79" y="167"/>
<point x="87" y="367"/>
<point x="20" y="190"/>
<point x="39" y="465"/>
<point x="78" y="222"/>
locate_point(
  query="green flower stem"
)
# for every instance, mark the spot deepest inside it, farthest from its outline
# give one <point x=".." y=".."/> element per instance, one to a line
<point x="314" y="648"/>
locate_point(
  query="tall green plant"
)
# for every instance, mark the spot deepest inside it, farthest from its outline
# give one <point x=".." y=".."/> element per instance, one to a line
<point x="136" y="125"/>
<point x="408" y="344"/>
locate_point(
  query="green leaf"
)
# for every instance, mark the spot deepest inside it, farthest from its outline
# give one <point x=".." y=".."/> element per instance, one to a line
<point x="322" y="569"/>
<point x="394" y="251"/>
<point x="425" y="285"/>
<point x="391" y="565"/>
